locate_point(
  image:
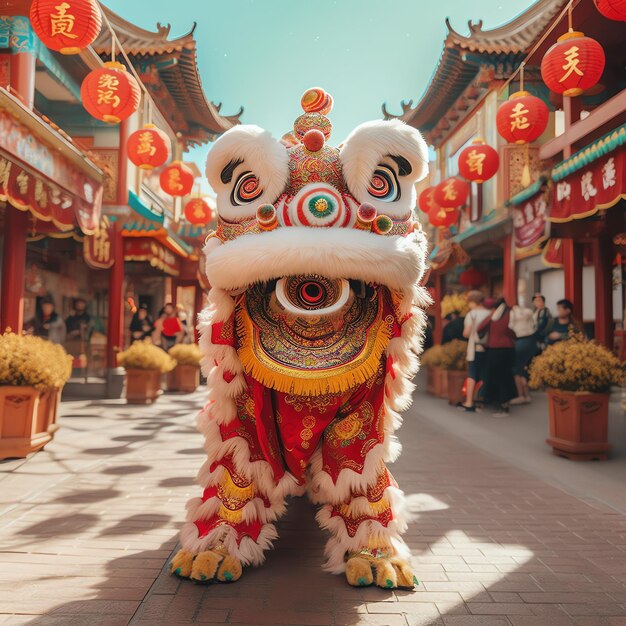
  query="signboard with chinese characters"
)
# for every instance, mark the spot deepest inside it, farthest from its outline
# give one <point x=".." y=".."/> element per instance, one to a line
<point x="153" y="252"/>
<point x="38" y="179"/>
<point x="97" y="249"/>
<point x="48" y="202"/>
<point x="597" y="186"/>
<point x="529" y="224"/>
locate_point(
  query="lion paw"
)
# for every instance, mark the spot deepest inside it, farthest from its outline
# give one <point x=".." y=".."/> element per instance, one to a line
<point x="206" y="567"/>
<point x="363" y="570"/>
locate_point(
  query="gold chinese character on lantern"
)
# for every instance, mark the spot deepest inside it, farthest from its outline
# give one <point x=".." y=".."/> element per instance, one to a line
<point x="62" y="22"/>
<point x="173" y="178"/>
<point x="475" y="161"/>
<point x="519" y="121"/>
<point x="571" y="63"/>
<point x="146" y="144"/>
<point x="107" y="88"/>
<point x="449" y="191"/>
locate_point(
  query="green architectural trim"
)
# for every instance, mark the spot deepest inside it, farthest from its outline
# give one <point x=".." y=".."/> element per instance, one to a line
<point x="587" y="155"/>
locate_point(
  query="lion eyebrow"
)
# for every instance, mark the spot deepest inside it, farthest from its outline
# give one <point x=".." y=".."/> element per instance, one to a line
<point x="404" y="167"/>
<point x="227" y="173"/>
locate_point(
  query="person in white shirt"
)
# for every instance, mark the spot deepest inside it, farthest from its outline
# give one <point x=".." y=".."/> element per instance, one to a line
<point x="475" y="345"/>
<point x="522" y="323"/>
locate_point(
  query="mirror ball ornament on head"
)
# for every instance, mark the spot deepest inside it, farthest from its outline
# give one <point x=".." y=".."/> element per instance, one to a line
<point x="309" y="336"/>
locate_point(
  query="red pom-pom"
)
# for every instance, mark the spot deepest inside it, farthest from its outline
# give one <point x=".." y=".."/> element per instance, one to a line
<point x="313" y="140"/>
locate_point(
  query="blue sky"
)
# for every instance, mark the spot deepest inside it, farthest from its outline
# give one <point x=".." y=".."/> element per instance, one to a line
<point x="263" y="54"/>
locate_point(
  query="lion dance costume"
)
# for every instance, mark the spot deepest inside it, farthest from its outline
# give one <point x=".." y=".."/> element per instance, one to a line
<point x="309" y="340"/>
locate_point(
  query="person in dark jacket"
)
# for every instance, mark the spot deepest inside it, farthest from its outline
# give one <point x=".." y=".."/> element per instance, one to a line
<point x="141" y="326"/>
<point x="542" y="317"/>
<point x="47" y="323"/>
<point x="454" y="328"/>
<point x="500" y="358"/>
<point x="564" y="324"/>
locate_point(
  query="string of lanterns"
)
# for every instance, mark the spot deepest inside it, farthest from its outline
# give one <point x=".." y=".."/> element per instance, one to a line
<point x="112" y="94"/>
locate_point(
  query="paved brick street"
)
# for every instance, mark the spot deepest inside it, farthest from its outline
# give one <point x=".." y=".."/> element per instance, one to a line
<point x="87" y="526"/>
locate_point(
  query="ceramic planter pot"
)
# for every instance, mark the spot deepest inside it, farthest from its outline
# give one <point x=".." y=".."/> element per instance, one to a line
<point x="442" y="383"/>
<point x="142" y="386"/>
<point x="27" y="419"/>
<point x="185" y="378"/>
<point x="456" y="378"/>
<point x="579" y="424"/>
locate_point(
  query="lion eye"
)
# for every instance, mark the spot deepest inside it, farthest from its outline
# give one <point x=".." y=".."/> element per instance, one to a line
<point x="384" y="184"/>
<point x="246" y="189"/>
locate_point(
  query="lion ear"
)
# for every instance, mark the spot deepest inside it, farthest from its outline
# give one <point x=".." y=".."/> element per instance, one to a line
<point x="382" y="161"/>
<point x="246" y="167"/>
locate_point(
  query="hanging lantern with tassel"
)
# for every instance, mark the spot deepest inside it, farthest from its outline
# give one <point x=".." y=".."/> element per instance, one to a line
<point x="426" y="201"/>
<point x="572" y="65"/>
<point x="443" y="218"/>
<point x="110" y="93"/>
<point x="66" y="27"/>
<point x="198" y="211"/>
<point x="177" y="179"/>
<point x="451" y="193"/>
<point x="149" y="147"/>
<point x="478" y="162"/>
<point x="522" y="118"/>
<point x="612" y="9"/>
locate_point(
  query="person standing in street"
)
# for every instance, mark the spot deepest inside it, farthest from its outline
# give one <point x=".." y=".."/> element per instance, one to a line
<point x="47" y="323"/>
<point x="500" y="359"/>
<point x="522" y="323"/>
<point x="542" y="318"/>
<point x="564" y="324"/>
<point x="141" y="326"/>
<point x="475" y="346"/>
<point x="169" y="328"/>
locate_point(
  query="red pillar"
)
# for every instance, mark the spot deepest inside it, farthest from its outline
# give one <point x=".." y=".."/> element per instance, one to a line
<point x="509" y="278"/>
<point x="603" y="268"/>
<point x="573" y="275"/>
<point x="122" y="166"/>
<point x="115" y="330"/>
<point x="22" y="76"/>
<point x="440" y="287"/>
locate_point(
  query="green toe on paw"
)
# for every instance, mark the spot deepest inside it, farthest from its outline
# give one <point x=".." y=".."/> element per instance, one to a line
<point x="228" y="576"/>
<point x="415" y="581"/>
<point x="362" y="582"/>
<point x="177" y="571"/>
<point x="389" y="583"/>
<point x="202" y="577"/>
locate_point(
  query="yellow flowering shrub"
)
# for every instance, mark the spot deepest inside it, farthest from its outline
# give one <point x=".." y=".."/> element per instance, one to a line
<point x="186" y="354"/>
<point x="144" y="355"/>
<point x="454" y="353"/>
<point x="433" y="357"/>
<point x="454" y="302"/>
<point x="449" y="356"/>
<point x="32" y="361"/>
<point x="576" y="364"/>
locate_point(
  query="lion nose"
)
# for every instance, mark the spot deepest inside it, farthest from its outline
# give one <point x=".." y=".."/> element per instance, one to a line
<point x="313" y="140"/>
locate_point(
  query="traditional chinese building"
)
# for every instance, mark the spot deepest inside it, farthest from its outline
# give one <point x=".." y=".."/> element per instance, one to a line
<point x="78" y="219"/>
<point x="511" y="219"/>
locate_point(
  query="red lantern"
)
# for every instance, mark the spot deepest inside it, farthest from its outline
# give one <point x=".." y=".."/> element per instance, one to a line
<point x="443" y="218"/>
<point x="612" y="9"/>
<point x="177" y="179"/>
<point x="110" y="93"/>
<point x="66" y="26"/>
<point x="451" y="193"/>
<point x="573" y="64"/>
<point x="478" y="162"/>
<point x="426" y="201"/>
<point x="149" y="147"/>
<point x="522" y="118"/>
<point x="197" y="211"/>
<point x="473" y="278"/>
